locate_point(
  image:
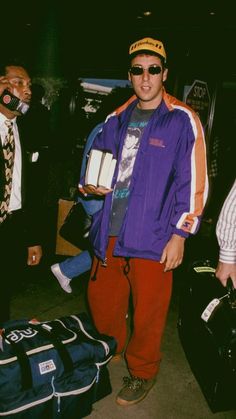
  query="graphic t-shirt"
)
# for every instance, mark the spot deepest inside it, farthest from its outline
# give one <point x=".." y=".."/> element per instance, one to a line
<point x="138" y="122"/>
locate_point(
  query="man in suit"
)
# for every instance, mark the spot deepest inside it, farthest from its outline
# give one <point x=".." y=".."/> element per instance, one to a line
<point x="19" y="238"/>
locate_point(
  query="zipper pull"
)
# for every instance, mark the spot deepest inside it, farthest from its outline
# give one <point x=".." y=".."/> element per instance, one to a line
<point x="58" y="404"/>
<point x="58" y="397"/>
<point x="97" y="376"/>
<point x="104" y="263"/>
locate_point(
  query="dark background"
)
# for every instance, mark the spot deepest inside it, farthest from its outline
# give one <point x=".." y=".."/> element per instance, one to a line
<point x="91" y="38"/>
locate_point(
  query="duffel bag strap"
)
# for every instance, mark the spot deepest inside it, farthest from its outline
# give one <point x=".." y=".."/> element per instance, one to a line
<point x="19" y="351"/>
<point x="23" y="360"/>
<point x="47" y="331"/>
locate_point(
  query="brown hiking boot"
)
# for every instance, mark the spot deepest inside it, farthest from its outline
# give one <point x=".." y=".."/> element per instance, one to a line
<point x="134" y="390"/>
<point x="117" y="357"/>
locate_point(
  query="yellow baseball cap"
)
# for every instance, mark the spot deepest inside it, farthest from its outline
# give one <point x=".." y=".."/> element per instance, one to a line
<point x="148" y="44"/>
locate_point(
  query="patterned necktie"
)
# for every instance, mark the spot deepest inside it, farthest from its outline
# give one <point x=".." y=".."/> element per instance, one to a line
<point x="8" y="154"/>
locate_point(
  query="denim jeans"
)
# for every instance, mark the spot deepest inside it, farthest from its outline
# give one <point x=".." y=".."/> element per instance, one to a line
<point x="76" y="265"/>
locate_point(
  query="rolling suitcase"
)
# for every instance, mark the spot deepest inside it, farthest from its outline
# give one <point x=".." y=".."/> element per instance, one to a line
<point x="53" y="370"/>
<point x="207" y="331"/>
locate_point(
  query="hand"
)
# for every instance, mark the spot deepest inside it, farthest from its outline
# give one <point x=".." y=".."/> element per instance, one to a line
<point x="173" y="252"/>
<point x="90" y="189"/>
<point x="34" y="255"/>
<point x="4" y="84"/>
<point x="225" y="271"/>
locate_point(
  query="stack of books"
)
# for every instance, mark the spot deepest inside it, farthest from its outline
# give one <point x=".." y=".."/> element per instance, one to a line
<point x="100" y="169"/>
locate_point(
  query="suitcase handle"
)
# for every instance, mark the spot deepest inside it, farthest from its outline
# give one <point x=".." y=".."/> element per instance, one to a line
<point x="231" y="293"/>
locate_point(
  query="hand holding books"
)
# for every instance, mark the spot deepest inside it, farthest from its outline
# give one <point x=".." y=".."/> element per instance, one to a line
<point x="99" y="172"/>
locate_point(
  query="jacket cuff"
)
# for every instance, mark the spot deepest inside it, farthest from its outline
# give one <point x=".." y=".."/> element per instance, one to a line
<point x="180" y="233"/>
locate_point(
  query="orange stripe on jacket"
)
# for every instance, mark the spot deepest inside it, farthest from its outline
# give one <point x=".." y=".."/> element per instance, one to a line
<point x="199" y="181"/>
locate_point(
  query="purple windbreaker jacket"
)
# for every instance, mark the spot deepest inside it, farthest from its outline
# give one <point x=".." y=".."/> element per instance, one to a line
<point x="169" y="185"/>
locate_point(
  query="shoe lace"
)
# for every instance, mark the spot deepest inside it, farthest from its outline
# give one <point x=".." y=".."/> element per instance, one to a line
<point x="134" y="383"/>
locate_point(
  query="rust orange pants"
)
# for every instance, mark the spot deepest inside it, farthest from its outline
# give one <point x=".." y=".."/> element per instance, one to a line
<point x="109" y="297"/>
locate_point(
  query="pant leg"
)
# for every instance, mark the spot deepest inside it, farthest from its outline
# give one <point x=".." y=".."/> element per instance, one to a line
<point x="5" y="296"/>
<point x="12" y="259"/>
<point x="108" y="297"/>
<point x="151" y="293"/>
<point x="76" y="265"/>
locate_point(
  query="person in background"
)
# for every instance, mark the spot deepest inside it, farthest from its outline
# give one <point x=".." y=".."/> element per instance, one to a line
<point x="19" y="214"/>
<point x="38" y="116"/>
<point x="226" y="236"/>
<point x="74" y="266"/>
<point x="138" y="236"/>
<point x="36" y="137"/>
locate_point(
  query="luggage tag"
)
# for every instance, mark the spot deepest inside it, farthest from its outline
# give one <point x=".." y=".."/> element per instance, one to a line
<point x="209" y="309"/>
<point x="206" y="314"/>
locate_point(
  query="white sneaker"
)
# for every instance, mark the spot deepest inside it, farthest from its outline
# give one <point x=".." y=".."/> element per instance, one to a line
<point x="63" y="280"/>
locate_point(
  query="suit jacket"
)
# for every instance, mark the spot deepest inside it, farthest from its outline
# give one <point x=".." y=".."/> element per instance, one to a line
<point x="31" y="202"/>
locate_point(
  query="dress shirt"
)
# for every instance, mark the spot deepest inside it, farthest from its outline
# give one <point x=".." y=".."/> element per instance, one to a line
<point x="226" y="228"/>
<point x="15" y="200"/>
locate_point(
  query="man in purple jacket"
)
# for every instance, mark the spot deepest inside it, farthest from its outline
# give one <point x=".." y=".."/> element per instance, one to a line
<point x="158" y="193"/>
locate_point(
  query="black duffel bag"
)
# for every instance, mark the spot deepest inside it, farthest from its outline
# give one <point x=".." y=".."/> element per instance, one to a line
<point x="53" y="370"/>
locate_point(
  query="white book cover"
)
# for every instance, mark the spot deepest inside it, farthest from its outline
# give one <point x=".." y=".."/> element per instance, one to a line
<point x="104" y="169"/>
<point x="110" y="174"/>
<point x="93" y="167"/>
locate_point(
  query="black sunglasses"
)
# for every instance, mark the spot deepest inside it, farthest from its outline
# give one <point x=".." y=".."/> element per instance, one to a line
<point x="137" y="71"/>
